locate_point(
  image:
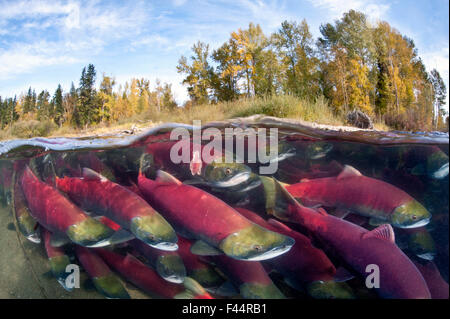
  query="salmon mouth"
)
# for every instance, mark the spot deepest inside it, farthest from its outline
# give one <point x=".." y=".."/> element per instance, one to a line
<point x="237" y="179"/>
<point x="255" y="243"/>
<point x="167" y="246"/>
<point x="272" y="253"/>
<point x="99" y="244"/>
<point x="419" y="223"/>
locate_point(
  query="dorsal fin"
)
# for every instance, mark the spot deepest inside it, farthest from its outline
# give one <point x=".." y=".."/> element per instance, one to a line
<point x="382" y="232"/>
<point x="92" y="175"/>
<point x="348" y="171"/>
<point x="164" y="177"/>
<point x="202" y="248"/>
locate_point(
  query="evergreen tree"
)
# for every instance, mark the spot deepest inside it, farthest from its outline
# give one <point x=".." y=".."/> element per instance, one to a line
<point x="58" y="108"/>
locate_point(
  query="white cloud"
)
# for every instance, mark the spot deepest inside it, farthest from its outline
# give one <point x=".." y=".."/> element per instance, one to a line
<point x="178" y="3"/>
<point x="374" y="9"/>
<point x="56" y="32"/>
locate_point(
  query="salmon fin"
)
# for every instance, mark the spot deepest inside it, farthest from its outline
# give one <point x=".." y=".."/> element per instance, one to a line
<point x="304" y="180"/>
<point x="59" y="240"/>
<point x="203" y="249"/>
<point x="373" y="221"/>
<point x="195" y="288"/>
<point x="164" y="177"/>
<point x="342" y="274"/>
<point x="284" y="192"/>
<point x="279" y="225"/>
<point x="121" y="236"/>
<point x="348" y="171"/>
<point x="382" y="232"/>
<point x="91" y="175"/>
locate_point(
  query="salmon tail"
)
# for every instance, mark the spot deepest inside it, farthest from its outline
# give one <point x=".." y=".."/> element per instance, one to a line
<point x="49" y="173"/>
<point x="145" y="165"/>
<point x="193" y="290"/>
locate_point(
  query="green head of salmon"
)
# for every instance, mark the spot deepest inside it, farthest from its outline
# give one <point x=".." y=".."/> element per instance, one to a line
<point x="171" y="268"/>
<point x="58" y="266"/>
<point x="155" y="231"/>
<point x="330" y="290"/>
<point x="90" y="233"/>
<point x="111" y="287"/>
<point x="422" y="245"/>
<point x="226" y="175"/>
<point x="255" y="243"/>
<point x="207" y="277"/>
<point x="260" y="291"/>
<point x="410" y="215"/>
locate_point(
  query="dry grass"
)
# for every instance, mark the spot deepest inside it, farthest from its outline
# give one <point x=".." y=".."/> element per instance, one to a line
<point x="280" y="106"/>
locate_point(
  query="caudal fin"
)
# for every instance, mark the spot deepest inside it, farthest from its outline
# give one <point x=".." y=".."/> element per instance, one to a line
<point x="146" y="165"/>
<point x="193" y="290"/>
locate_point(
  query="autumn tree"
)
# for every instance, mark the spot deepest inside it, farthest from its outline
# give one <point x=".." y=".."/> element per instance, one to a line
<point x="198" y="73"/>
<point x="295" y="47"/>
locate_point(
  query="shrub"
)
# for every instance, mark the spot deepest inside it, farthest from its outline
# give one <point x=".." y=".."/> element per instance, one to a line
<point x="33" y="128"/>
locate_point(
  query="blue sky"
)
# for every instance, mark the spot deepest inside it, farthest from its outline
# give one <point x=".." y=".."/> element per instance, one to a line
<point x="43" y="43"/>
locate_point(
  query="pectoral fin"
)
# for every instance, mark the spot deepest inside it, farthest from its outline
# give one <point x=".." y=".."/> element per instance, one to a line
<point x="58" y="240"/>
<point x="202" y="248"/>
<point x="342" y="274"/>
<point x="120" y="236"/>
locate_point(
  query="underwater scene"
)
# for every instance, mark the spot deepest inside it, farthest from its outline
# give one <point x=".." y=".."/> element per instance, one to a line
<point x="254" y="209"/>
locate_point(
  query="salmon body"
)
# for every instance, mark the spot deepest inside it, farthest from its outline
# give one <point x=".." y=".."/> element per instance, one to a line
<point x="196" y="268"/>
<point x="168" y="264"/>
<point x="103" y="197"/>
<point x="211" y="220"/>
<point x="303" y="265"/>
<point x="59" y="215"/>
<point x="57" y="259"/>
<point x="106" y="282"/>
<point x="363" y="195"/>
<point x="362" y="249"/>
<point x="28" y="226"/>
<point x="250" y="278"/>
<point x="144" y="277"/>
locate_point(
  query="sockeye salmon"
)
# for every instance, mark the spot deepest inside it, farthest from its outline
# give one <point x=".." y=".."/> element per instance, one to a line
<point x="360" y="248"/>
<point x="95" y="193"/>
<point x="217" y="226"/>
<point x="363" y="195"/>
<point x="59" y="215"/>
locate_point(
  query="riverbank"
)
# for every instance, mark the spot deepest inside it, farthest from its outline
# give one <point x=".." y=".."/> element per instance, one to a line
<point x="317" y="113"/>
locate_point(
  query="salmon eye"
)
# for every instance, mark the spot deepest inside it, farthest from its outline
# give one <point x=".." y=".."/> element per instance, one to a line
<point x="257" y="247"/>
<point x="414" y="217"/>
<point x="228" y="171"/>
